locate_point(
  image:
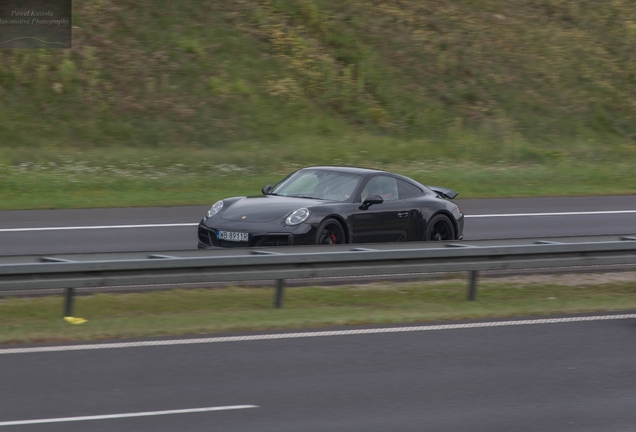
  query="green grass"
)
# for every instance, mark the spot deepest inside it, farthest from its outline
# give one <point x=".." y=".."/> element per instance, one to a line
<point x="181" y="312"/>
<point x="138" y="177"/>
<point x="542" y="88"/>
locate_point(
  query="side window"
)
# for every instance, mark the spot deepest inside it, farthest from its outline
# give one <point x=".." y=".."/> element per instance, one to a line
<point x="384" y="186"/>
<point x="407" y="190"/>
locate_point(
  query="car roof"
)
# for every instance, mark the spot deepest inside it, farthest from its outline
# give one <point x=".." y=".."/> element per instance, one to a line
<point x="351" y="170"/>
<point x="365" y="172"/>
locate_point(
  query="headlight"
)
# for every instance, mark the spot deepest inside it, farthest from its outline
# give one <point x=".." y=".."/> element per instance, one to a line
<point x="215" y="209"/>
<point x="297" y="217"/>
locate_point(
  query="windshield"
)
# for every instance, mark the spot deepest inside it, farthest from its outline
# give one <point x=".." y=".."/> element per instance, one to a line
<point x="318" y="184"/>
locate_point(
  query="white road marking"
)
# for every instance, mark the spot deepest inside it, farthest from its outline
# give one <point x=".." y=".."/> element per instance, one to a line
<point x="173" y="225"/>
<point x="125" y="415"/>
<point x="98" y="227"/>
<point x="171" y="342"/>
<point x="553" y="214"/>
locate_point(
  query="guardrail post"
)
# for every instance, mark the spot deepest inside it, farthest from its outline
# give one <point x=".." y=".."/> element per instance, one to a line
<point x="472" y="286"/>
<point x="278" y="300"/>
<point x="68" y="303"/>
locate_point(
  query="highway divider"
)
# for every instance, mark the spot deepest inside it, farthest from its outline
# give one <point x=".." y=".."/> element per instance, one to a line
<point x="293" y="262"/>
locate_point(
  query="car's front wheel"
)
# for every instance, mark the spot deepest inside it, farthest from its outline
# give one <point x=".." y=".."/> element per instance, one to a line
<point x="439" y="228"/>
<point x="330" y="232"/>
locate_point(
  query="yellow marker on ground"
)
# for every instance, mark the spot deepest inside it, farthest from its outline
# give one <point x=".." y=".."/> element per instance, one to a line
<point x="73" y="320"/>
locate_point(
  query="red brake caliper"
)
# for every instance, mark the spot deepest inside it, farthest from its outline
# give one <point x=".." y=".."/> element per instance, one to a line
<point x="333" y="238"/>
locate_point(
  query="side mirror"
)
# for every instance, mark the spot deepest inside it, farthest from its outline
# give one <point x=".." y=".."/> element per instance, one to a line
<point x="370" y="200"/>
<point x="266" y="189"/>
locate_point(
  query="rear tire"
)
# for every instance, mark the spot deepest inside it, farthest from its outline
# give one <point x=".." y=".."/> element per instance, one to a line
<point x="439" y="228"/>
<point x="330" y="232"/>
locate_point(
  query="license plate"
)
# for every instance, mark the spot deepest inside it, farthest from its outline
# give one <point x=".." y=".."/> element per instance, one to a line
<point x="232" y="236"/>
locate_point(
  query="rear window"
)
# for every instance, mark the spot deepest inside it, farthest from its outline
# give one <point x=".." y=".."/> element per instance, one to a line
<point x="407" y="190"/>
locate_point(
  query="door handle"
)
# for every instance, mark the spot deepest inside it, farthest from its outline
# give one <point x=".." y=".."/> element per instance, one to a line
<point x="403" y="214"/>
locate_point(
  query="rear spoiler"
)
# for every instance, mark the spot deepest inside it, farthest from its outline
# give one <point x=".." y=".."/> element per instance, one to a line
<point x="445" y="192"/>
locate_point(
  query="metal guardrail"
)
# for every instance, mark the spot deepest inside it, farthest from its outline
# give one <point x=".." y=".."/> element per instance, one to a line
<point x="292" y="262"/>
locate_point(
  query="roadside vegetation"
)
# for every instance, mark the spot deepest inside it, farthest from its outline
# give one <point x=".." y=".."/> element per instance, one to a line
<point x="140" y="178"/>
<point x="200" y="311"/>
<point x="162" y="102"/>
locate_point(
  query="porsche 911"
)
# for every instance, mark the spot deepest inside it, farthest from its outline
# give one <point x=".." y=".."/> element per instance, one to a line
<point x="334" y="205"/>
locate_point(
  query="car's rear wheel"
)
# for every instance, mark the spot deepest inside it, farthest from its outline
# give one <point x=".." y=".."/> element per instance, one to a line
<point x="439" y="228"/>
<point x="330" y="232"/>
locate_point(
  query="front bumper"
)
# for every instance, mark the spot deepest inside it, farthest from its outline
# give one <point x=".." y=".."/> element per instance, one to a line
<point x="207" y="238"/>
<point x="263" y="236"/>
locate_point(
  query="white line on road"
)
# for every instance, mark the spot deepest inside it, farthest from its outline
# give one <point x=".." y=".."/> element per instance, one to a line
<point x="171" y="342"/>
<point x="553" y="214"/>
<point x="125" y="415"/>
<point x="99" y="227"/>
<point x="173" y="225"/>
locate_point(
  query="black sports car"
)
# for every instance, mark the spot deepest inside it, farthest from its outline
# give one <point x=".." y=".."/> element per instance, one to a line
<point x="334" y="205"/>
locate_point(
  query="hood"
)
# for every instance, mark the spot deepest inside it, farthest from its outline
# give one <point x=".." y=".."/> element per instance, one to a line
<point x="264" y="208"/>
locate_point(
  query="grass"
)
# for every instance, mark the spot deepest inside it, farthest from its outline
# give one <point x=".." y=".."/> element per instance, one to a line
<point x="139" y="177"/>
<point x="198" y="311"/>
<point x="461" y="92"/>
<point x="552" y="74"/>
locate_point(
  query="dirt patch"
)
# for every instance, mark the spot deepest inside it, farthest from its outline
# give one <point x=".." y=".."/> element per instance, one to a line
<point x="571" y="279"/>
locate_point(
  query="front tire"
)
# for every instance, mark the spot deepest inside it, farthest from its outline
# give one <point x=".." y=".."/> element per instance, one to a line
<point x="330" y="232"/>
<point x="439" y="228"/>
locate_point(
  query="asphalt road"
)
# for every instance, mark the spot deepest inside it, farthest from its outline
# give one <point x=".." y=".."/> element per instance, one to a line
<point x="577" y="377"/>
<point x="150" y="233"/>
<point x="553" y="377"/>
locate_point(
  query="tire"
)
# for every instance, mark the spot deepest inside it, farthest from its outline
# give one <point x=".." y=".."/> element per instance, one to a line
<point x="439" y="228"/>
<point x="330" y="232"/>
